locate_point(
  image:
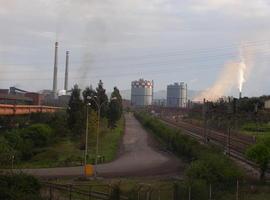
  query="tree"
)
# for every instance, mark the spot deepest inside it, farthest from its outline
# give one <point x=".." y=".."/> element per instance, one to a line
<point x="75" y="111"/>
<point x="40" y="134"/>
<point x="115" y="108"/>
<point x="90" y="92"/>
<point x="260" y="153"/>
<point x="102" y="99"/>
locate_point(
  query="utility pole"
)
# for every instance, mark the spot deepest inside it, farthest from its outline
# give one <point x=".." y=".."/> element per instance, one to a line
<point x="237" y="189"/>
<point x="205" y="110"/>
<point x="86" y="137"/>
<point x="229" y="112"/>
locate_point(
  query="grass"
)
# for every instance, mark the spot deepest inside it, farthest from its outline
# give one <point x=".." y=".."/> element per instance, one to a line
<point x="66" y="151"/>
<point x="109" y="142"/>
<point x="258" y="130"/>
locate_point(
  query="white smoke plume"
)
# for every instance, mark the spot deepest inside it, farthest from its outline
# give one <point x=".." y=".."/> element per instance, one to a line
<point x="242" y="71"/>
<point x="233" y="76"/>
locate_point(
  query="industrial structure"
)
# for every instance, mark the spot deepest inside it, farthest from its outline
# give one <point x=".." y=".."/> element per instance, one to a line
<point x="55" y="69"/>
<point x="177" y="95"/>
<point x="66" y="71"/>
<point x="11" y="110"/>
<point x="18" y="96"/>
<point x="142" y="92"/>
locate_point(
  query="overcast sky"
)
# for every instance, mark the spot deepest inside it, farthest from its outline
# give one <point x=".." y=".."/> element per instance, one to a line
<point x="122" y="40"/>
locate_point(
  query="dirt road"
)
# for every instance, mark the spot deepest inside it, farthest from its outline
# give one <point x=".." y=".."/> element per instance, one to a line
<point x="139" y="156"/>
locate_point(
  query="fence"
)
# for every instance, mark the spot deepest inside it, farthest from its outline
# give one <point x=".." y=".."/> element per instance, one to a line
<point x="240" y="190"/>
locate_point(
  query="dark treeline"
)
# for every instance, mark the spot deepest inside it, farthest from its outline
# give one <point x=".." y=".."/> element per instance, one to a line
<point x="95" y="100"/>
<point x="233" y="112"/>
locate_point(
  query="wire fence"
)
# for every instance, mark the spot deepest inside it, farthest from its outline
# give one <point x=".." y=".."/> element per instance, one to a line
<point x="199" y="190"/>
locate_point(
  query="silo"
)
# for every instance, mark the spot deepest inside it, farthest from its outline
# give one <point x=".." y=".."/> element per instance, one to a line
<point x="183" y="95"/>
<point x="177" y="95"/>
<point x="141" y="92"/>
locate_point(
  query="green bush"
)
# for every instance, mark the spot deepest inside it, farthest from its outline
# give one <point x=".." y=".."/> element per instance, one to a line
<point x="20" y="186"/>
<point x="213" y="168"/>
<point x="260" y="154"/>
<point x="40" y="134"/>
<point x="6" y="152"/>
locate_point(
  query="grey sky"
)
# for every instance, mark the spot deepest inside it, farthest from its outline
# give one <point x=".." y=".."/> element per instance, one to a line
<point x="121" y="40"/>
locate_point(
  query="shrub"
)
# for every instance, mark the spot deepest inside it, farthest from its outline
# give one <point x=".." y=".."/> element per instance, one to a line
<point x="213" y="168"/>
<point x="40" y="134"/>
<point x="260" y="153"/>
<point x="20" y="186"/>
<point x="6" y="152"/>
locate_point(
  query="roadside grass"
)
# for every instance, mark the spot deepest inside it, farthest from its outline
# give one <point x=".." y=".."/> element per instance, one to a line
<point x="65" y="152"/>
<point x="109" y="142"/>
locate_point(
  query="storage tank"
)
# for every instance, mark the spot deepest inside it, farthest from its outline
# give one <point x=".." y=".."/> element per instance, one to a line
<point x="142" y="92"/>
<point x="177" y="95"/>
<point x="183" y="95"/>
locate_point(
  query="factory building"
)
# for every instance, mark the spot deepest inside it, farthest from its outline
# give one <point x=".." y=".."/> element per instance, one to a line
<point x="142" y="92"/>
<point x="21" y="97"/>
<point x="177" y="95"/>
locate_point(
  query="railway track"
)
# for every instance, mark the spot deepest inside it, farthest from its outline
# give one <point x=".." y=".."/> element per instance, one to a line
<point x="234" y="147"/>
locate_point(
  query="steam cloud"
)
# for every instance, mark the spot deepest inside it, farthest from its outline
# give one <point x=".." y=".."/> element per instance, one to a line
<point x="233" y="76"/>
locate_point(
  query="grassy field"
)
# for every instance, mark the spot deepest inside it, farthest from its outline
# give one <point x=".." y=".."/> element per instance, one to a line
<point x="66" y="151"/>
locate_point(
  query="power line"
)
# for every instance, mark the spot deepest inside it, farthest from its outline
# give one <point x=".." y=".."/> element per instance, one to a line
<point x="149" y="56"/>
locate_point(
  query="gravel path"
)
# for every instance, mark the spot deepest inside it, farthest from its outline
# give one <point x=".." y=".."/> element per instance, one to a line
<point x="139" y="156"/>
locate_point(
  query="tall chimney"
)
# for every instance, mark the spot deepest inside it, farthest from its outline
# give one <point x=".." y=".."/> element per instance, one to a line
<point x="240" y="95"/>
<point x="55" y="71"/>
<point x="66" y="72"/>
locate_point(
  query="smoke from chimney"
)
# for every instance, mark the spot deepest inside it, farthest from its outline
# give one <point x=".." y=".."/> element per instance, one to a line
<point x="66" y="72"/>
<point x="55" y="71"/>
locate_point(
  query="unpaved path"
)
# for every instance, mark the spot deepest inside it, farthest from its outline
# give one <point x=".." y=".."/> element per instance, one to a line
<point x="139" y="156"/>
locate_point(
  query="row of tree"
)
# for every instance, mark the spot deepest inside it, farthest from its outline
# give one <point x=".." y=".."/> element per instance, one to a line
<point x="97" y="103"/>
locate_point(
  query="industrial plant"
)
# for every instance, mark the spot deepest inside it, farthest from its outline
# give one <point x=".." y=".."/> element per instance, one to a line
<point x="142" y="92"/>
<point x="53" y="97"/>
<point x="177" y="95"/>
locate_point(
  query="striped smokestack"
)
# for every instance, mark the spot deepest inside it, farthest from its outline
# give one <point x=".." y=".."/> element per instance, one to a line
<point x="66" y="72"/>
<point x="55" y="71"/>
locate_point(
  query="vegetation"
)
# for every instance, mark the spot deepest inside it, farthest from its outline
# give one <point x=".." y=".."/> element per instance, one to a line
<point x="245" y="114"/>
<point x="19" y="186"/>
<point x="115" y="108"/>
<point x="260" y="154"/>
<point x="207" y="163"/>
<point x="76" y="112"/>
<point x="58" y="139"/>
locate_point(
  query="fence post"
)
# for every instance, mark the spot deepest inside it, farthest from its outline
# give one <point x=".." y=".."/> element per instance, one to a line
<point x="189" y="193"/>
<point x="175" y="191"/>
<point x="90" y="193"/>
<point x="70" y="192"/>
<point x="50" y="198"/>
<point x="237" y="189"/>
<point x="115" y="194"/>
<point x="210" y="191"/>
